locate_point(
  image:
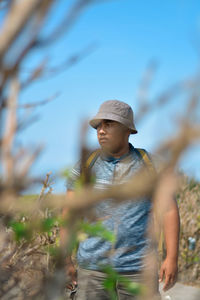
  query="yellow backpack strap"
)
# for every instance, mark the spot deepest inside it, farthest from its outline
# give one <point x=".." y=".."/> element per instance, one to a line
<point x="92" y="158"/>
<point x="146" y="159"/>
<point x="85" y="168"/>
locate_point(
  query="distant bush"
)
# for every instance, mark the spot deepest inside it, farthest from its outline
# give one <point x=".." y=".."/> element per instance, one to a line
<point x="188" y="197"/>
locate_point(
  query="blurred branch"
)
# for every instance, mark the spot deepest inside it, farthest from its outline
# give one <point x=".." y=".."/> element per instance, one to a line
<point x="16" y="19"/>
<point x="66" y="23"/>
<point x="28" y="161"/>
<point x="146" y="82"/>
<point x="4" y="4"/>
<point x="10" y="129"/>
<point x="26" y="121"/>
<point x="35" y="74"/>
<point x="46" y="185"/>
<point x="38" y="103"/>
<point x="20" y="15"/>
<point x="45" y="72"/>
<point x="71" y="61"/>
<point x="145" y="106"/>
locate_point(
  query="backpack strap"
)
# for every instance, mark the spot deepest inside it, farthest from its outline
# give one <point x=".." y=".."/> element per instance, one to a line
<point x="143" y="154"/>
<point x="87" y="165"/>
<point x="92" y="158"/>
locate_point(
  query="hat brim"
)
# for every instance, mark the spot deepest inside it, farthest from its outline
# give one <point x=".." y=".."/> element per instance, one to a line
<point x="97" y="119"/>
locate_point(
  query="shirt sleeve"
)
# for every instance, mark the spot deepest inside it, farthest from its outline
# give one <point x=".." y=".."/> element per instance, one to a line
<point x="73" y="176"/>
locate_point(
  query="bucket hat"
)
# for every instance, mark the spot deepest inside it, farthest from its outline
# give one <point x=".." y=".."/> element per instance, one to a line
<point x="115" y="110"/>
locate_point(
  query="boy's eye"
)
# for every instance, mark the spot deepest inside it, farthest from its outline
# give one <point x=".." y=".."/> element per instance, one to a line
<point x="109" y="122"/>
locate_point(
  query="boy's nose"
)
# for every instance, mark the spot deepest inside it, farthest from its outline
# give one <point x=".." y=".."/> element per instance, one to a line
<point x="101" y="129"/>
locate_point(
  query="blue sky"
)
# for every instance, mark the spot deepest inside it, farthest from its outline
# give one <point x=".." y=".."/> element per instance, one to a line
<point x="127" y="34"/>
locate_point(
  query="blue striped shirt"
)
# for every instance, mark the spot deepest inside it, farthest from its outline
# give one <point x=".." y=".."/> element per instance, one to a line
<point x="128" y="220"/>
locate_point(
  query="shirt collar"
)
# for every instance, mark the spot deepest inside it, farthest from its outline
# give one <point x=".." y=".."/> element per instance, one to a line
<point x="114" y="160"/>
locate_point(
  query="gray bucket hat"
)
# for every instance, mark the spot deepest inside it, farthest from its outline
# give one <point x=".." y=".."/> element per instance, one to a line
<point x="117" y="111"/>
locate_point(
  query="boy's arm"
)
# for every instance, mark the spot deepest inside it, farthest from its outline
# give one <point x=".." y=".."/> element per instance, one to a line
<point x="171" y="224"/>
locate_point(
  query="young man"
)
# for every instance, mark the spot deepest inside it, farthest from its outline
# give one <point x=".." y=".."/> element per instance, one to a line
<point x="116" y="163"/>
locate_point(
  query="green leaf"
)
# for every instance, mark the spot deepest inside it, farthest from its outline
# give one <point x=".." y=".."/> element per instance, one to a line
<point x="53" y="250"/>
<point x="196" y="259"/>
<point x="99" y="230"/>
<point x="21" y="230"/>
<point x="110" y="285"/>
<point x="48" y="223"/>
<point x="133" y="288"/>
<point x="66" y="173"/>
<point x="110" y="272"/>
<point x="78" y="184"/>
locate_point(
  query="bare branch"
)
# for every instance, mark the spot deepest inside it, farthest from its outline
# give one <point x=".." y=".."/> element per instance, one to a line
<point x="10" y="129"/>
<point x="35" y="74"/>
<point x="17" y="17"/>
<point x="71" y="61"/>
<point x="66" y="23"/>
<point x="39" y="103"/>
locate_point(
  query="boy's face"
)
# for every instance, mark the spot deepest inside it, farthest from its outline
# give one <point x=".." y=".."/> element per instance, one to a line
<point x="112" y="135"/>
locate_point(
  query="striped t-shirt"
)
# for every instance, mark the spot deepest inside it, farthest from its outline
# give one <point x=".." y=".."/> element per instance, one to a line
<point x="128" y="220"/>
